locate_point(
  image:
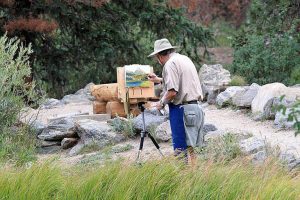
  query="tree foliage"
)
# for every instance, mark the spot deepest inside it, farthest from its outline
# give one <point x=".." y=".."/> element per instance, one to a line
<point x="267" y="48"/>
<point x="204" y="11"/>
<point x="93" y="38"/>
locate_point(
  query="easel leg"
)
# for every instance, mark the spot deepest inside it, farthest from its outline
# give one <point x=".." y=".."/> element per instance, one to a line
<point x="141" y="147"/>
<point x="155" y="143"/>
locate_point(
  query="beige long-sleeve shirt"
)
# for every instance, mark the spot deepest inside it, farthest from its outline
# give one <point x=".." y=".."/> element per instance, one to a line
<point x="179" y="73"/>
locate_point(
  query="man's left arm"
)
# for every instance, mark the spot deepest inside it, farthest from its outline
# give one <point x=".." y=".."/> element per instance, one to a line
<point x="167" y="98"/>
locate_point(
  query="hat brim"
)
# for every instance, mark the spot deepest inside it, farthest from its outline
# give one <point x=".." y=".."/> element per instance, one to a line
<point x="156" y="52"/>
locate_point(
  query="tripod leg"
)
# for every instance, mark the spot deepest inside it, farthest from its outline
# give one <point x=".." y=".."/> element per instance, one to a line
<point x="155" y="143"/>
<point x="141" y="146"/>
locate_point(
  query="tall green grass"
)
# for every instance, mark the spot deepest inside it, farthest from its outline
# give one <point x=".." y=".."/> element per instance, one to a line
<point x="237" y="179"/>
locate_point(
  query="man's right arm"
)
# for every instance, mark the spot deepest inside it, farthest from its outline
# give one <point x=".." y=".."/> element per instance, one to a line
<point x="154" y="78"/>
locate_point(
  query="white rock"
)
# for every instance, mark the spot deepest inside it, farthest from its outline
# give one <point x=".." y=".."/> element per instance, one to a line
<point x="269" y="91"/>
<point x="163" y="132"/>
<point x="225" y="98"/>
<point x="213" y="79"/>
<point x="245" y="98"/>
<point x="252" y="145"/>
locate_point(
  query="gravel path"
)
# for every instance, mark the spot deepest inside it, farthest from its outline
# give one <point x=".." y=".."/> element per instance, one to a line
<point x="236" y="121"/>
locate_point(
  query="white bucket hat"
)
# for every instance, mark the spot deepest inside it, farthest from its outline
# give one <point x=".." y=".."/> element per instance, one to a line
<point x="161" y="45"/>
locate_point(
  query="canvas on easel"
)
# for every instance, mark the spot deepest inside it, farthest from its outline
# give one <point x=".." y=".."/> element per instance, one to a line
<point x="136" y="76"/>
<point x="135" y="93"/>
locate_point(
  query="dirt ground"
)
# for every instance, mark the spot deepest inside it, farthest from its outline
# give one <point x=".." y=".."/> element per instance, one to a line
<point x="226" y="120"/>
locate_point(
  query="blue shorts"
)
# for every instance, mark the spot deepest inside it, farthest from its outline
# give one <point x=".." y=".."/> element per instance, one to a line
<point x="177" y="127"/>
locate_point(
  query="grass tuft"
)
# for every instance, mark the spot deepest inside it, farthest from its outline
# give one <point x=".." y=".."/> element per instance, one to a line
<point x="167" y="179"/>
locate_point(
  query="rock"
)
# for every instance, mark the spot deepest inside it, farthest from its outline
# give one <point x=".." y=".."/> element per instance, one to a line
<point x="293" y="165"/>
<point x="208" y="128"/>
<point x="225" y="98"/>
<point x="259" y="157"/>
<point x="151" y="120"/>
<point x="214" y="76"/>
<point x="71" y="98"/>
<point x="268" y="92"/>
<point x="86" y="90"/>
<point x="268" y="112"/>
<point x="49" y="143"/>
<point x="94" y="132"/>
<point x="281" y="120"/>
<point x="287" y="158"/>
<point x="212" y="96"/>
<point x="163" y="132"/>
<point x="81" y="96"/>
<point x="55" y="135"/>
<point x="51" y="103"/>
<point x="38" y="126"/>
<point x="244" y="98"/>
<point x="29" y="117"/>
<point x="96" y="117"/>
<point x="214" y="79"/>
<point x="58" y="129"/>
<point x="213" y="134"/>
<point x="77" y="148"/>
<point x="49" y="150"/>
<point x="285" y="102"/>
<point x="61" y="124"/>
<point x="252" y="145"/>
<point x="296" y="86"/>
<point x="67" y="143"/>
<point x="71" y="115"/>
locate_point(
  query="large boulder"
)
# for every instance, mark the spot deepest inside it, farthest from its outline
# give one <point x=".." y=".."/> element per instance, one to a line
<point x="214" y="79"/>
<point x="225" y="98"/>
<point x="151" y="120"/>
<point x="244" y="98"/>
<point x="268" y="92"/>
<point x="51" y="103"/>
<point x="93" y="132"/>
<point x="81" y="96"/>
<point x="58" y="129"/>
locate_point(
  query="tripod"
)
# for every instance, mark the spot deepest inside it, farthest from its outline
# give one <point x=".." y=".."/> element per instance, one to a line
<point x="144" y="133"/>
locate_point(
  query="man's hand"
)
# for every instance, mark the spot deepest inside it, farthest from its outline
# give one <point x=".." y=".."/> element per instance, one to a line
<point x="154" y="78"/>
<point x="156" y="105"/>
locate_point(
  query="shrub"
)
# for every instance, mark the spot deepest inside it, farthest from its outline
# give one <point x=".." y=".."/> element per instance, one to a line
<point x="223" y="148"/>
<point x="124" y="126"/>
<point x="267" y="47"/>
<point x="237" y="80"/>
<point x="16" y="140"/>
<point x="267" y="59"/>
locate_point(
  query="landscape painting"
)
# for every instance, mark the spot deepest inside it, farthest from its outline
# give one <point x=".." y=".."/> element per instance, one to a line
<point x="136" y="75"/>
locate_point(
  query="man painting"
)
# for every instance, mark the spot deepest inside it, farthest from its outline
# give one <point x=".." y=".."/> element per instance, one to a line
<point x="182" y="92"/>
